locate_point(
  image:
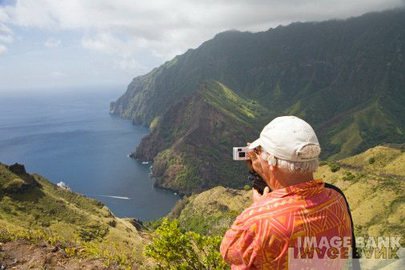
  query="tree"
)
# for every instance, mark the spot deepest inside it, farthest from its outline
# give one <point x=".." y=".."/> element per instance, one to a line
<point x="173" y="249"/>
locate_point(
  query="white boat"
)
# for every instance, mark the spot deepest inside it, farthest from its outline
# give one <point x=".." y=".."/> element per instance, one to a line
<point x="145" y="162"/>
<point x="62" y="185"/>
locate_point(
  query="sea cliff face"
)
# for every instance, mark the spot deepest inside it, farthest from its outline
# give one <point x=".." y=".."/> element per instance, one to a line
<point x="344" y="77"/>
<point x="191" y="144"/>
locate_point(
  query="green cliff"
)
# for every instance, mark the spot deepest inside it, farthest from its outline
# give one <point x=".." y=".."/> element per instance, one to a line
<point x="345" y="77"/>
<point x="191" y="143"/>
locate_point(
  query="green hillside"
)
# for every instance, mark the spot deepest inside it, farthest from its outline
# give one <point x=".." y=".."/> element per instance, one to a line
<point x="386" y="160"/>
<point x="345" y="77"/>
<point x="191" y="144"/>
<point x="211" y="212"/>
<point x="35" y="210"/>
<point x="376" y="193"/>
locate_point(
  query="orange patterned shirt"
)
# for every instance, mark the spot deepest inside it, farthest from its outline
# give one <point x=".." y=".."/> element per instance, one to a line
<point x="262" y="235"/>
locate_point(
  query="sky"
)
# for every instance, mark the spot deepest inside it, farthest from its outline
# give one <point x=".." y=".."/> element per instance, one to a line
<point x="56" y="44"/>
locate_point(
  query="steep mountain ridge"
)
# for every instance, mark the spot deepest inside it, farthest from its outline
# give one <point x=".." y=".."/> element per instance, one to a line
<point x="345" y="77"/>
<point x="190" y="144"/>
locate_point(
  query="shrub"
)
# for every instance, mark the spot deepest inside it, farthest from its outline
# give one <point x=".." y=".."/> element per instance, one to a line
<point x="7" y="209"/>
<point x="322" y="163"/>
<point x="371" y="160"/>
<point x="5" y="235"/>
<point x="173" y="249"/>
<point x="93" y="232"/>
<point x="112" y="223"/>
<point x="247" y="187"/>
<point x="348" y="176"/>
<point x="334" y="167"/>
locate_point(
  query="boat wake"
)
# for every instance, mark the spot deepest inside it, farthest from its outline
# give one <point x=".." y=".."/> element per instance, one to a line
<point x="115" y="197"/>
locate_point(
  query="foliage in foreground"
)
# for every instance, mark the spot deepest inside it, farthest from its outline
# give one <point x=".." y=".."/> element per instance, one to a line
<point x="173" y="249"/>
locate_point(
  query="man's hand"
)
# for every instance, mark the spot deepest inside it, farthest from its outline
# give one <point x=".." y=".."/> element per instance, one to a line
<point x="257" y="196"/>
<point x="257" y="164"/>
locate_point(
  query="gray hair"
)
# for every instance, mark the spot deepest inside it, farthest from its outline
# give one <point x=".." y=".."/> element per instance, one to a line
<point x="298" y="167"/>
<point x="291" y="166"/>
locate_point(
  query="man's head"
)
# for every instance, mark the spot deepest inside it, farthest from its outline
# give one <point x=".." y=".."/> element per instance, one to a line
<point x="289" y="144"/>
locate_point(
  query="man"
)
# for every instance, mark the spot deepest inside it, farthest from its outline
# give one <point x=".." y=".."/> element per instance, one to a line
<point x="299" y="218"/>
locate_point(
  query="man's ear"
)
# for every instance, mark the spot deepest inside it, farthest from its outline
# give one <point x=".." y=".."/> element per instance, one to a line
<point x="272" y="161"/>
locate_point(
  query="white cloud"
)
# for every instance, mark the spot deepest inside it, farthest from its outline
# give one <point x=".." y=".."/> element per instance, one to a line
<point x="124" y="48"/>
<point x="58" y="75"/>
<point x="52" y="43"/>
<point x="6" y="38"/>
<point x="131" y="32"/>
<point x="130" y="64"/>
<point x="6" y="35"/>
<point x="111" y="44"/>
<point x="168" y="27"/>
<point x="4" y="30"/>
<point x="3" y="49"/>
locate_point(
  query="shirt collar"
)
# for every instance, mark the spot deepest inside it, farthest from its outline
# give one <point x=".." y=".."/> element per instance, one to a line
<point x="305" y="189"/>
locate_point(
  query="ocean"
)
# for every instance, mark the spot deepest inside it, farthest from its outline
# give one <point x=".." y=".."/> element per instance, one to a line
<point x="69" y="136"/>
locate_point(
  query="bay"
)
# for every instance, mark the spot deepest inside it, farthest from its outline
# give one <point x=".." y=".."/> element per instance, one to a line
<point x="69" y="136"/>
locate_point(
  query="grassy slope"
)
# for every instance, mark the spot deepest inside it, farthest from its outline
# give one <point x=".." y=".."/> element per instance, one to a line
<point x="376" y="198"/>
<point x="361" y="129"/>
<point x="196" y="139"/>
<point x="375" y="191"/>
<point x="211" y="212"/>
<point x="42" y="211"/>
<point x="245" y="111"/>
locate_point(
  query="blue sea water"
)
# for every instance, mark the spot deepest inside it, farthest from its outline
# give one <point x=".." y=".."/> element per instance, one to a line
<point x="69" y="136"/>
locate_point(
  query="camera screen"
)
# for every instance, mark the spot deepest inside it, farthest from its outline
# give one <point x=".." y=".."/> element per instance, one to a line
<point x="242" y="154"/>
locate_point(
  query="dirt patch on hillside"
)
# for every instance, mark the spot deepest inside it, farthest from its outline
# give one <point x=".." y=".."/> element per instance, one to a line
<point x="24" y="255"/>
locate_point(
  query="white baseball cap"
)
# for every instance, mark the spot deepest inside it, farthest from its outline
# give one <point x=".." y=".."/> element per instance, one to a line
<point x="288" y="138"/>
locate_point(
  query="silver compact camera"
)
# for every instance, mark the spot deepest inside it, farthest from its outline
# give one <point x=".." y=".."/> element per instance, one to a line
<point x="241" y="153"/>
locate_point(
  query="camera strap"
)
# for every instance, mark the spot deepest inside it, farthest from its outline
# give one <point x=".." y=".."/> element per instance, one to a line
<point x="355" y="255"/>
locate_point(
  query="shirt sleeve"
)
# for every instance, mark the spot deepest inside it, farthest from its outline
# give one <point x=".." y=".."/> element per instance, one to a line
<point x="239" y="246"/>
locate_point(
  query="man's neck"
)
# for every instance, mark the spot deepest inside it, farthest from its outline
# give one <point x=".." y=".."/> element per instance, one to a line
<point x="284" y="179"/>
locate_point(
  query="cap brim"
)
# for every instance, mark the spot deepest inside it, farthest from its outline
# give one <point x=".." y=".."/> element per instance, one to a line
<point x="255" y="144"/>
